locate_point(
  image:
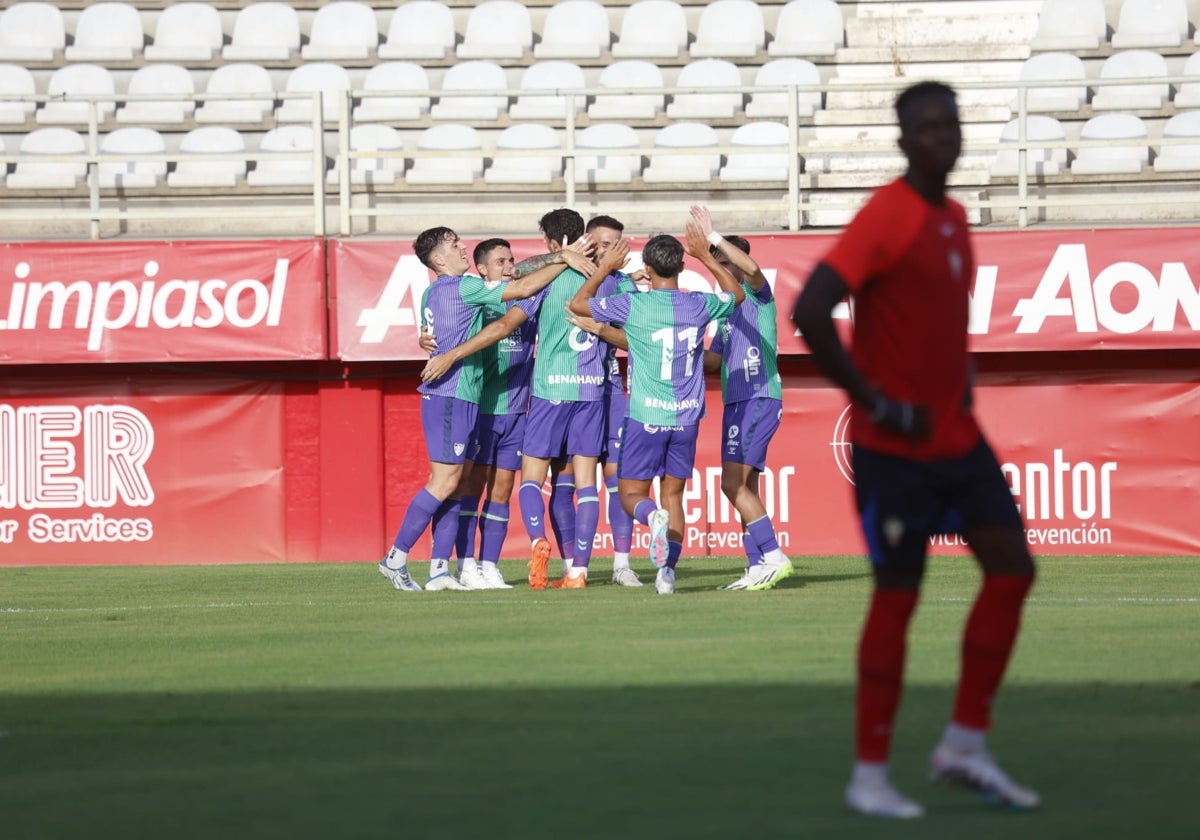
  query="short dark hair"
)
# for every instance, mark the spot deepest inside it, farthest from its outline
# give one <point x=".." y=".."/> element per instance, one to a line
<point x="739" y="242"/>
<point x="428" y="240"/>
<point x="912" y="94"/>
<point x="486" y="247"/>
<point x="663" y="255"/>
<point x="604" y="222"/>
<point x="561" y="224"/>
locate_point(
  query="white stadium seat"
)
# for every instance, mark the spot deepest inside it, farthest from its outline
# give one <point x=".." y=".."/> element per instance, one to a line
<point x="267" y="31"/>
<point x="330" y="80"/>
<point x="373" y="170"/>
<point x="667" y="168"/>
<point x="271" y="171"/>
<point x="1038" y="128"/>
<point x="448" y="169"/>
<point x="34" y="174"/>
<point x="233" y="79"/>
<point x="344" y="30"/>
<point x="748" y="162"/>
<point x="131" y="173"/>
<point x="16" y="82"/>
<point x="729" y="29"/>
<point x="635" y="106"/>
<point x="809" y="28"/>
<point x="472" y="75"/>
<point x="1123" y="159"/>
<point x="547" y="76"/>
<point x="107" y="32"/>
<point x="1184" y="157"/>
<point x="1071" y="25"/>
<point x="419" y="29"/>
<point x="393" y="76"/>
<point x="652" y="29"/>
<point x="78" y="80"/>
<point x="607" y="154"/>
<point x="497" y="29"/>
<point x="186" y="32"/>
<point x="1151" y="23"/>
<point x="1132" y="64"/>
<point x="210" y="140"/>
<point x="172" y="81"/>
<point x="574" y="29"/>
<point x="785" y="71"/>
<point x="707" y="73"/>
<point x="526" y="169"/>
<point x="32" y="32"/>
<point x="1188" y="95"/>
<point x="1054" y="66"/>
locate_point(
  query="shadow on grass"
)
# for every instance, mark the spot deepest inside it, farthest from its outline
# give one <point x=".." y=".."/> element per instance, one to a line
<point x="696" y="762"/>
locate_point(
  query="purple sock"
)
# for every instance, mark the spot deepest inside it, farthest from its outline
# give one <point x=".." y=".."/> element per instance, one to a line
<point x="562" y="514"/>
<point x="763" y="533"/>
<point x="493" y="528"/>
<point x="753" y="555"/>
<point x="533" y="509"/>
<point x="620" y="521"/>
<point x="587" y="517"/>
<point x="445" y="529"/>
<point x="416" y="519"/>
<point x="468" y="514"/>
<point x="643" y="510"/>
<point x="674" y="549"/>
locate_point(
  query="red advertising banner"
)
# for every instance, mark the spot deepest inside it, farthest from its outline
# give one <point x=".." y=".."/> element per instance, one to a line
<point x="106" y="471"/>
<point x="162" y="301"/>
<point x="1097" y="467"/>
<point x="1033" y="291"/>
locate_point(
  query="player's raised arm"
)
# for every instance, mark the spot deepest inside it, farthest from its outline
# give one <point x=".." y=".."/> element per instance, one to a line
<point x="697" y="246"/>
<point x="755" y="279"/>
<point x="612" y="261"/>
<point x="439" y="365"/>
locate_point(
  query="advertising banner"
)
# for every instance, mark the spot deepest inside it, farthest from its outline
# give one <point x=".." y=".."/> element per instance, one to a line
<point x="66" y="302"/>
<point x="1033" y="290"/>
<point x="104" y="471"/>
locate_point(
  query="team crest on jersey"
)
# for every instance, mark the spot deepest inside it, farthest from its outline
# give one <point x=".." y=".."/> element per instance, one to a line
<point x="490" y="284"/>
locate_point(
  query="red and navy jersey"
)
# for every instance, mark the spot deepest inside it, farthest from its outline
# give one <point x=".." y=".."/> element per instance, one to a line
<point x="909" y="266"/>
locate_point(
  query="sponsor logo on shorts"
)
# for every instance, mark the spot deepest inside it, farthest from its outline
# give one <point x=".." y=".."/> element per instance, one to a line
<point x="733" y="431"/>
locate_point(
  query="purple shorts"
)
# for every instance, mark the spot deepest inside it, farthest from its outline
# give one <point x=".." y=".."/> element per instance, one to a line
<point x="649" y="452"/>
<point x="500" y="440"/>
<point x="748" y="427"/>
<point x="449" y="426"/>
<point x="558" y="429"/>
<point x="618" y="406"/>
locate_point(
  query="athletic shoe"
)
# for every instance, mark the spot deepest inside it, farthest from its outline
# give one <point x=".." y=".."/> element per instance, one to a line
<point x="664" y="582"/>
<point x="537" y="563"/>
<point x="400" y="578"/>
<point x="493" y="578"/>
<point x="658" y="537"/>
<point x="766" y="574"/>
<point x="880" y="799"/>
<point x="625" y="576"/>
<point x="978" y="771"/>
<point x="741" y="583"/>
<point x="568" y="582"/>
<point x="472" y="578"/>
<point x="444" y="581"/>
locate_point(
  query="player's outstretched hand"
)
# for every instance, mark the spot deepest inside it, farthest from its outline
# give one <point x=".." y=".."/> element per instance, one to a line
<point x="697" y="245"/>
<point x="436" y="368"/>
<point x="578" y="261"/>
<point x="909" y="420"/>
<point x="701" y="217"/>
<point x="583" y="245"/>
<point x="426" y="340"/>
<point x="616" y="257"/>
<point x="588" y="325"/>
<point x="641" y="277"/>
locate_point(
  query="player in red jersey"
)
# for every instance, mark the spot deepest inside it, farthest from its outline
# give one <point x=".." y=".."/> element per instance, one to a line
<point x="921" y="465"/>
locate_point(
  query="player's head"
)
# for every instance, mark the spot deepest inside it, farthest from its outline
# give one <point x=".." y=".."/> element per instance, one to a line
<point x="440" y="250"/>
<point x="560" y="225"/>
<point x="930" y="133"/>
<point x="663" y="256"/>
<point x="743" y="245"/>
<point x="605" y="232"/>
<point x="494" y="259"/>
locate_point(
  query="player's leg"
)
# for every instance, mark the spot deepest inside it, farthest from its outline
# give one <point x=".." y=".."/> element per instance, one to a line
<point x="470" y="490"/>
<point x="444" y="528"/>
<point x="562" y="509"/>
<point x="620" y="522"/>
<point x="992" y="527"/>
<point x="585" y="442"/>
<point x="545" y="439"/>
<point x="679" y="461"/>
<point x="895" y="508"/>
<point x="644" y="458"/>
<point x="493" y="523"/>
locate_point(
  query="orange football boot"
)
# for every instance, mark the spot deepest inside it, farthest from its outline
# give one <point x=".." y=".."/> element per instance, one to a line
<point x="537" y="563"/>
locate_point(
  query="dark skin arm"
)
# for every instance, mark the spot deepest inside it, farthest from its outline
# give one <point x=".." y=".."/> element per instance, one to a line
<point x="712" y="361"/>
<point x="439" y="365"/>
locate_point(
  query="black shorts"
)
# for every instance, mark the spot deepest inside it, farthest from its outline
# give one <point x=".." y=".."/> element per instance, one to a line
<point x="902" y="502"/>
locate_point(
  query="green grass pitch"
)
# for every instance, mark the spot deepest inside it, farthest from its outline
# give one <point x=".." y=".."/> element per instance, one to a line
<point x="316" y="701"/>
